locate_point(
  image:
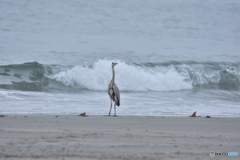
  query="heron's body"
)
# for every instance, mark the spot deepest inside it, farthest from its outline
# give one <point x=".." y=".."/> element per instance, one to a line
<point x="113" y="91"/>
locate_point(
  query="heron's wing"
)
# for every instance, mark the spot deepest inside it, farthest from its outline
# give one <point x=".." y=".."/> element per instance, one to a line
<point x="108" y="89"/>
<point x="116" y="91"/>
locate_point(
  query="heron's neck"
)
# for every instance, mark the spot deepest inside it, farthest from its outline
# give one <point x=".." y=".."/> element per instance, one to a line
<point x="113" y="75"/>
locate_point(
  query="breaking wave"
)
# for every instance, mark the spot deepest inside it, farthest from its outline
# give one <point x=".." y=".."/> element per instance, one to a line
<point x="168" y="76"/>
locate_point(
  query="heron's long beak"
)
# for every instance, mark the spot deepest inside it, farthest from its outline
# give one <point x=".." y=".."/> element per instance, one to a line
<point x="115" y="63"/>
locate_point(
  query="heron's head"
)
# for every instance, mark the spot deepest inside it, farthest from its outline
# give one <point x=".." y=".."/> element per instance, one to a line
<point x="114" y="64"/>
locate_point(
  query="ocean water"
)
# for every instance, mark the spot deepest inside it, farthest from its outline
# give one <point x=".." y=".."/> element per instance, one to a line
<point x="174" y="57"/>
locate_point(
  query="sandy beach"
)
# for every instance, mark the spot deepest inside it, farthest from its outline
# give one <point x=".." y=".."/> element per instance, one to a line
<point x="123" y="137"/>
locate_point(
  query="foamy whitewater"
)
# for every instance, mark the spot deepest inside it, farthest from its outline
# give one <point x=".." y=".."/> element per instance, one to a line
<point x="174" y="57"/>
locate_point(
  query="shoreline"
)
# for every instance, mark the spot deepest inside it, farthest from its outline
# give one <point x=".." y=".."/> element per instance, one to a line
<point x="122" y="137"/>
<point x="120" y="115"/>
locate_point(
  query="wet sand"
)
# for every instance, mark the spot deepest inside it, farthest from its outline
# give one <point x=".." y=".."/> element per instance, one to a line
<point x="123" y="137"/>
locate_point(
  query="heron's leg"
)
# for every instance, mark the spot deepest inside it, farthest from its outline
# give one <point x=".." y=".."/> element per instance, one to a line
<point x="110" y="107"/>
<point x="115" y="110"/>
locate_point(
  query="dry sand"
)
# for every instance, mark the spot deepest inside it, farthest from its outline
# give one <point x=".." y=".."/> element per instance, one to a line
<point x="124" y="137"/>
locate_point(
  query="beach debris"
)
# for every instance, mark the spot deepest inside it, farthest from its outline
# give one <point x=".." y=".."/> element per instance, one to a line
<point x="194" y="115"/>
<point x="2" y="115"/>
<point x="208" y="117"/>
<point x="83" y="114"/>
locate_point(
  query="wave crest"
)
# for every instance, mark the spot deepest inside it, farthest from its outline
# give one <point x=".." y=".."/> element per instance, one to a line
<point x="168" y="76"/>
<point x="128" y="77"/>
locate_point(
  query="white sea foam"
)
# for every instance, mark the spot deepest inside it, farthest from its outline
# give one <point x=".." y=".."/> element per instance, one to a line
<point x="128" y="77"/>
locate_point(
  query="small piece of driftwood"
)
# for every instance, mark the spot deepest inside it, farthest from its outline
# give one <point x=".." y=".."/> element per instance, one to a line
<point x="194" y="115"/>
<point x="83" y="114"/>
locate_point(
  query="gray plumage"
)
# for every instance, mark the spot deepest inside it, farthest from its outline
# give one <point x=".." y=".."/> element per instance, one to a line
<point x="113" y="91"/>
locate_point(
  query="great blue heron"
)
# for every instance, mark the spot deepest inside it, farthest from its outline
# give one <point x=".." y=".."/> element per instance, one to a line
<point x="113" y="91"/>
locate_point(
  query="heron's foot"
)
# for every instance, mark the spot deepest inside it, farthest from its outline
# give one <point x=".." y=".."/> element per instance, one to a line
<point x="115" y="116"/>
